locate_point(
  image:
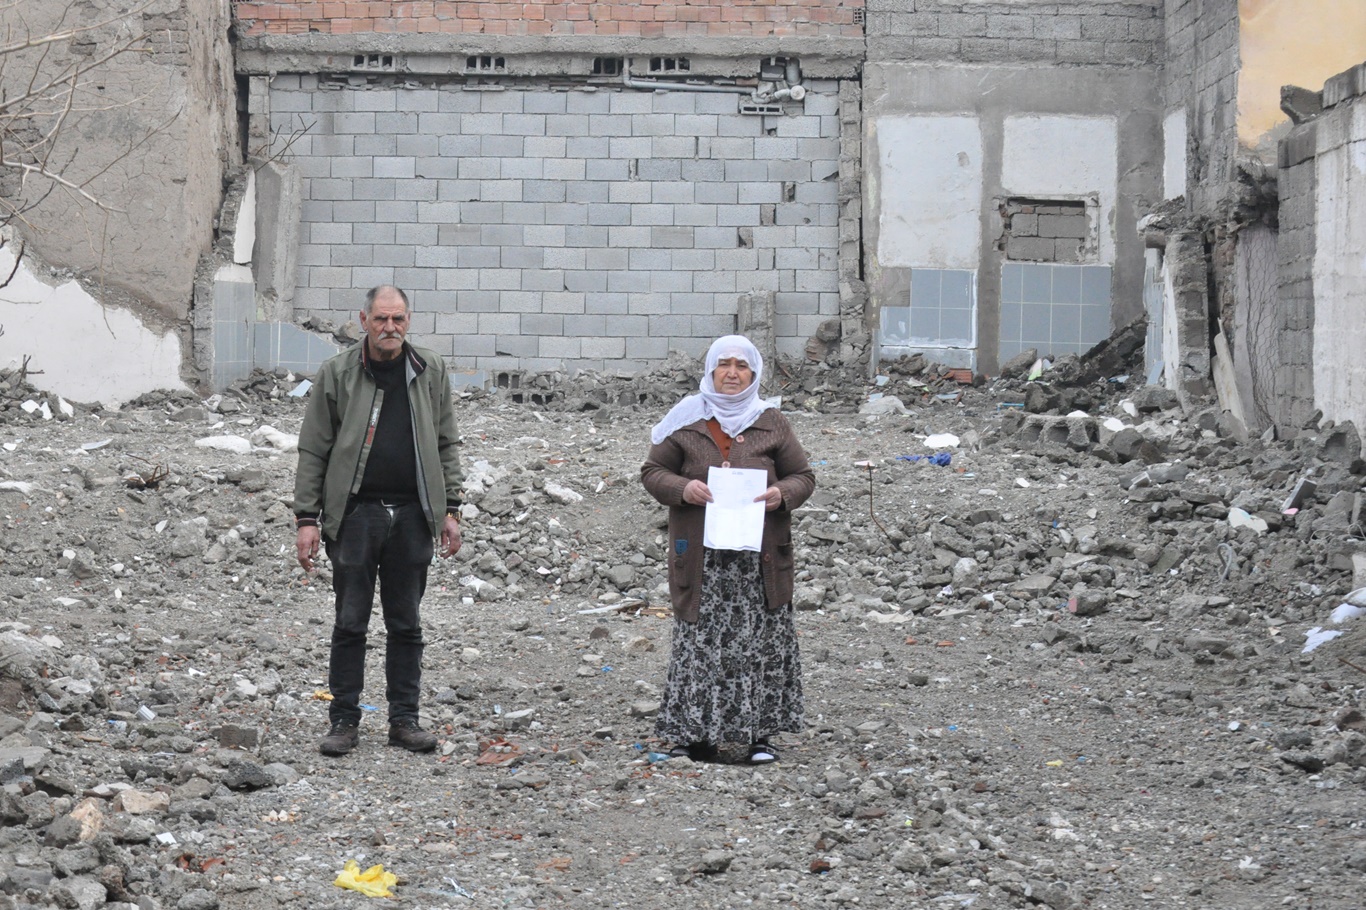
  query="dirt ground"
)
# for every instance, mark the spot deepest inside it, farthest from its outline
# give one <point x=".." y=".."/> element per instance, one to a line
<point x="1049" y="673"/>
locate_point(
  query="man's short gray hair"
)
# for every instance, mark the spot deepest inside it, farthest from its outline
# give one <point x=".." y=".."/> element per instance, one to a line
<point x="382" y="289"/>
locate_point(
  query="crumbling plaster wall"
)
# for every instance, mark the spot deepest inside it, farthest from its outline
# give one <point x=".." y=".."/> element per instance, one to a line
<point x="989" y="75"/>
<point x="150" y="136"/>
<point x="1322" y="269"/>
<point x="560" y="217"/>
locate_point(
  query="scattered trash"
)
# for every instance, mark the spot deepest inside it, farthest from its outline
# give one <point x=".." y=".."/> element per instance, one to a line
<point x="373" y="882"/>
<point x="145" y="713"/>
<point x="941" y="441"/>
<point x="322" y="695"/>
<point x="300" y="390"/>
<point x="455" y="886"/>
<point x="498" y="752"/>
<point x="92" y="446"/>
<point x="939" y="458"/>
<point x="1009" y="404"/>
<point x="1341" y="614"/>
<point x="1237" y="518"/>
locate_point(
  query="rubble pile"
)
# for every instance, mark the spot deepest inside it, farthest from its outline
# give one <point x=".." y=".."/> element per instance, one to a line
<point x="1065" y="646"/>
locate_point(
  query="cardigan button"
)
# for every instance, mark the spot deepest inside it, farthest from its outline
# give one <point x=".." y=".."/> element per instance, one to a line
<point x="740" y="438"/>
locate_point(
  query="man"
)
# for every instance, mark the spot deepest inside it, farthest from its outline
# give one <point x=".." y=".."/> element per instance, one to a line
<point x="379" y="479"/>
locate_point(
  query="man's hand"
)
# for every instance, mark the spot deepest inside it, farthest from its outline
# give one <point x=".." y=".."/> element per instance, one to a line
<point x="306" y="545"/>
<point x="450" y="537"/>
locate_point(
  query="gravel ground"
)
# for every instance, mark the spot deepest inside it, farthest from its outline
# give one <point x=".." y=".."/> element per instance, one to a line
<point x="1051" y="673"/>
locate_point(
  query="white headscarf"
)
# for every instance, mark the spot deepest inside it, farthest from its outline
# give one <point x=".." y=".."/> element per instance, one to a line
<point x="735" y="413"/>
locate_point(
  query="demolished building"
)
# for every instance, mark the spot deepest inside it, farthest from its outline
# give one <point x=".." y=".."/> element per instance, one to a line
<point x="563" y="186"/>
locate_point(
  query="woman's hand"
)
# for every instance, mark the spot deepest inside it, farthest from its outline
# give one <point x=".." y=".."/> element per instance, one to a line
<point x="697" y="493"/>
<point x="772" y="499"/>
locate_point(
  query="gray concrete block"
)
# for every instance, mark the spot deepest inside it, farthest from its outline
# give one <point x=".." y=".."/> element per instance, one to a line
<point x="797" y="303"/>
<point x="500" y="146"/>
<point x="773" y="236"/>
<point x="734" y="148"/>
<point x="609" y="305"/>
<point x="586" y="235"/>
<point x="500" y="279"/>
<point x="737" y="126"/>
<point x="332" y="145"/>
<point x="718" y="103"/>
<point x="585" y="324"/>
<point x="652" y="215"/>
<point x="393" y="256"/>
<point x="542" y="324"/>
<point x="439" y="212"/>
<point x="356" y="123"/>
<point x="544" y="102"/>
<point x="568" y="125"/>
<point x="655" y="169"/>
<point x="674" y="147"/>
<point x="712" y="327"/>
<point x="630" y="147"/>
<point x="545" y="147"/>
<point x="671" y="325"/>
<point x="372" y="189"/>
<point x="565" y="169"/>
<point x="737" y="215"/>
<point x="703" y="170"/>
<point x="585" y="282"/>
<point x="522" y="168"/>
<point x="419" y="146"/>
<point x="588" y="191"/>
<point x="455" y="99"/>
<point x="330" y="233"/>
<point x="524" y="301"/>
<point x="736" y="260"/>
<point x="543" y="191"/>
<point x="374" y="101"/>
<point x="544" y="280"/>
<point x="418" y="100"/>
<point x="472" y="345"/>
<point x="608" y="170"/>
<point x="694" y="260"/>
<point x="439" y="257"/>
<point x="817" y="281"/>
<point x="797" y="213"/>
<point x="628" y="282"/>
<point x="480" y="212"/>
<point x="742" y="172"/>
<point x="479" y="169"/>
<point x="501" y="101"/>
<point x="609" y="214"/>
<point x="524" y="124"/>
<point x="629" y="191"/>
<point x="672" y="282"/>
<point x="1057" y="27"/>
<point x="481" y="124"/>
<point x="628" y="236"/>
<point x="794" y="128"/>
<point x="630" y="103"/>
<point x="675" y="103"/>
<point x="675" y="237"/>
<point x="459" y="147"/>
<point x="695" y="215"/>
<point x="500" y="234"/>
<point x="1010" y="25"/>
<point x="787" y="171"/>
<point x="559" y="347"/>
<point x="371" y="276"/>
<point x="712" y="282"/>
<point x="693" y="125"/>
<point x="328" y="189"/>
<point x="608" y="125"/>
<point x="823" y="149"/>
<point x="608" y="259"/>
<point x="714" y="238"/>
<point x="466" y="281"/>
<point x="607" y="348"/>
<point x="825" y="192"/>
<point x="517" y="345"/>
<point x="502" y="190"/>
<point x="346" y="210"/>
<point x="652" y="124"/>
<point x="631" y="328"/>
<point x="1104" y="28"/>
<point x="649" y="304"/>
<point x="563" y="302"/>
<point x="670" y="192"/>
<point x="310" y="254"/>
<point x="400" y="124"/>
<point x="959" y="25"/>
<point x="415" y="279"/>
<point x="718" y="193"/>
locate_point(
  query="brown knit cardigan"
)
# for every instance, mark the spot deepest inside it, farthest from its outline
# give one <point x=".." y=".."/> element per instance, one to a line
<point x="768" y="444"/>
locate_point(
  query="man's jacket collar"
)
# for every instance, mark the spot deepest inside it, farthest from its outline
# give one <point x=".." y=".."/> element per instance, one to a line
<point x="414" y="359"/>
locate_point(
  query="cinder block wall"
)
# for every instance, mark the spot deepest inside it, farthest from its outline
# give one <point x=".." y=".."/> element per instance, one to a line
<point x="547" y="229"/>
<point x="1201" y="75"/>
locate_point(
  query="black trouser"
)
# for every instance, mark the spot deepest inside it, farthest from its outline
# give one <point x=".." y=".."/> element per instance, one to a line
<point x="393" y="544"/>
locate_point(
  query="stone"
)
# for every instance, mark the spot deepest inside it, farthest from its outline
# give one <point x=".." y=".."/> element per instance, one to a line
<point x="245" y="775"/>
<point x="142" y="802"/>
<point x="713" y="862"/>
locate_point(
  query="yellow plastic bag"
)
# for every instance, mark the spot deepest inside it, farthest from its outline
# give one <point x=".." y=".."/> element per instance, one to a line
<point x="373" y="882"/>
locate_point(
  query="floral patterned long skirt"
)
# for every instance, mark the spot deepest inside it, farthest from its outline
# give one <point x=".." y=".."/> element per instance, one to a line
<point x="735" y="674"/>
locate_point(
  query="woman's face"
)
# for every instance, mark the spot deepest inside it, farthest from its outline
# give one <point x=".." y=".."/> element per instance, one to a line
<point x="732" y="375"/>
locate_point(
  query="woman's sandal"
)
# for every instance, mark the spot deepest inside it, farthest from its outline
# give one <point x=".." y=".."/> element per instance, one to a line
<point x="762" y="754"/>
<point x="695" y="752"/>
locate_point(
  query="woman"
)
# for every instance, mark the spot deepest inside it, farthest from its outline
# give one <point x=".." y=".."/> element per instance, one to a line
<point x="734" y="670"/>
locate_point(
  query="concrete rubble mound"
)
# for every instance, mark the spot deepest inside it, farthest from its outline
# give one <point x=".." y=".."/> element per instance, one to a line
<point x="1076" y="651"/>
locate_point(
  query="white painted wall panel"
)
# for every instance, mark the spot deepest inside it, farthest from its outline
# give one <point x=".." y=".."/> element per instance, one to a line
<point x="1065" y="157"/>
<point x="1174" y="138"/>
<point x="84" y="351"/>
<point x="930" y="191"/>
<point x="1340" y="269"/>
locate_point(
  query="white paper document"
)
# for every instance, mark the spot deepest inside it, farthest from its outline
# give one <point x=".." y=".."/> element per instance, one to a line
<point x="734" y="520"/>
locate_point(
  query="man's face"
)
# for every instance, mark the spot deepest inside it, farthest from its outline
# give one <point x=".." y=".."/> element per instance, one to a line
<point x="385" y="325"/>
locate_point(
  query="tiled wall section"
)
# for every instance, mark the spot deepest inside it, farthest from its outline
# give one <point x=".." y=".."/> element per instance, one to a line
<point x="1056" y="309"/>
<point x="542" y="229"/>
<point x="942" y="311"/>
<point x="744" y="18"/>
<point x="241" y="344"/>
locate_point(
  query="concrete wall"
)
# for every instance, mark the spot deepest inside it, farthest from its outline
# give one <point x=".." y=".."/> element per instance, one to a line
<point x="965" y="108"/>
<point x="1200" y="77"/>
<point x="1339" y="268"/>
<point x="149" y="136"/>
<point x="121" y="356"/>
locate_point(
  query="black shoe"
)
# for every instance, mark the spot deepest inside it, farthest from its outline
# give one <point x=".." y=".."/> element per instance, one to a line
<point x="409" y="735"/>
<point x="341" y="739"/>
<point x="761" y="753"/>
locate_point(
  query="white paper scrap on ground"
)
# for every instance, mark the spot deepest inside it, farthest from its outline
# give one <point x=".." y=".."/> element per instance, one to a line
<point x="1341" y="614"/>
<point x="734" y="521"/>
<point x="941" y="441"/>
